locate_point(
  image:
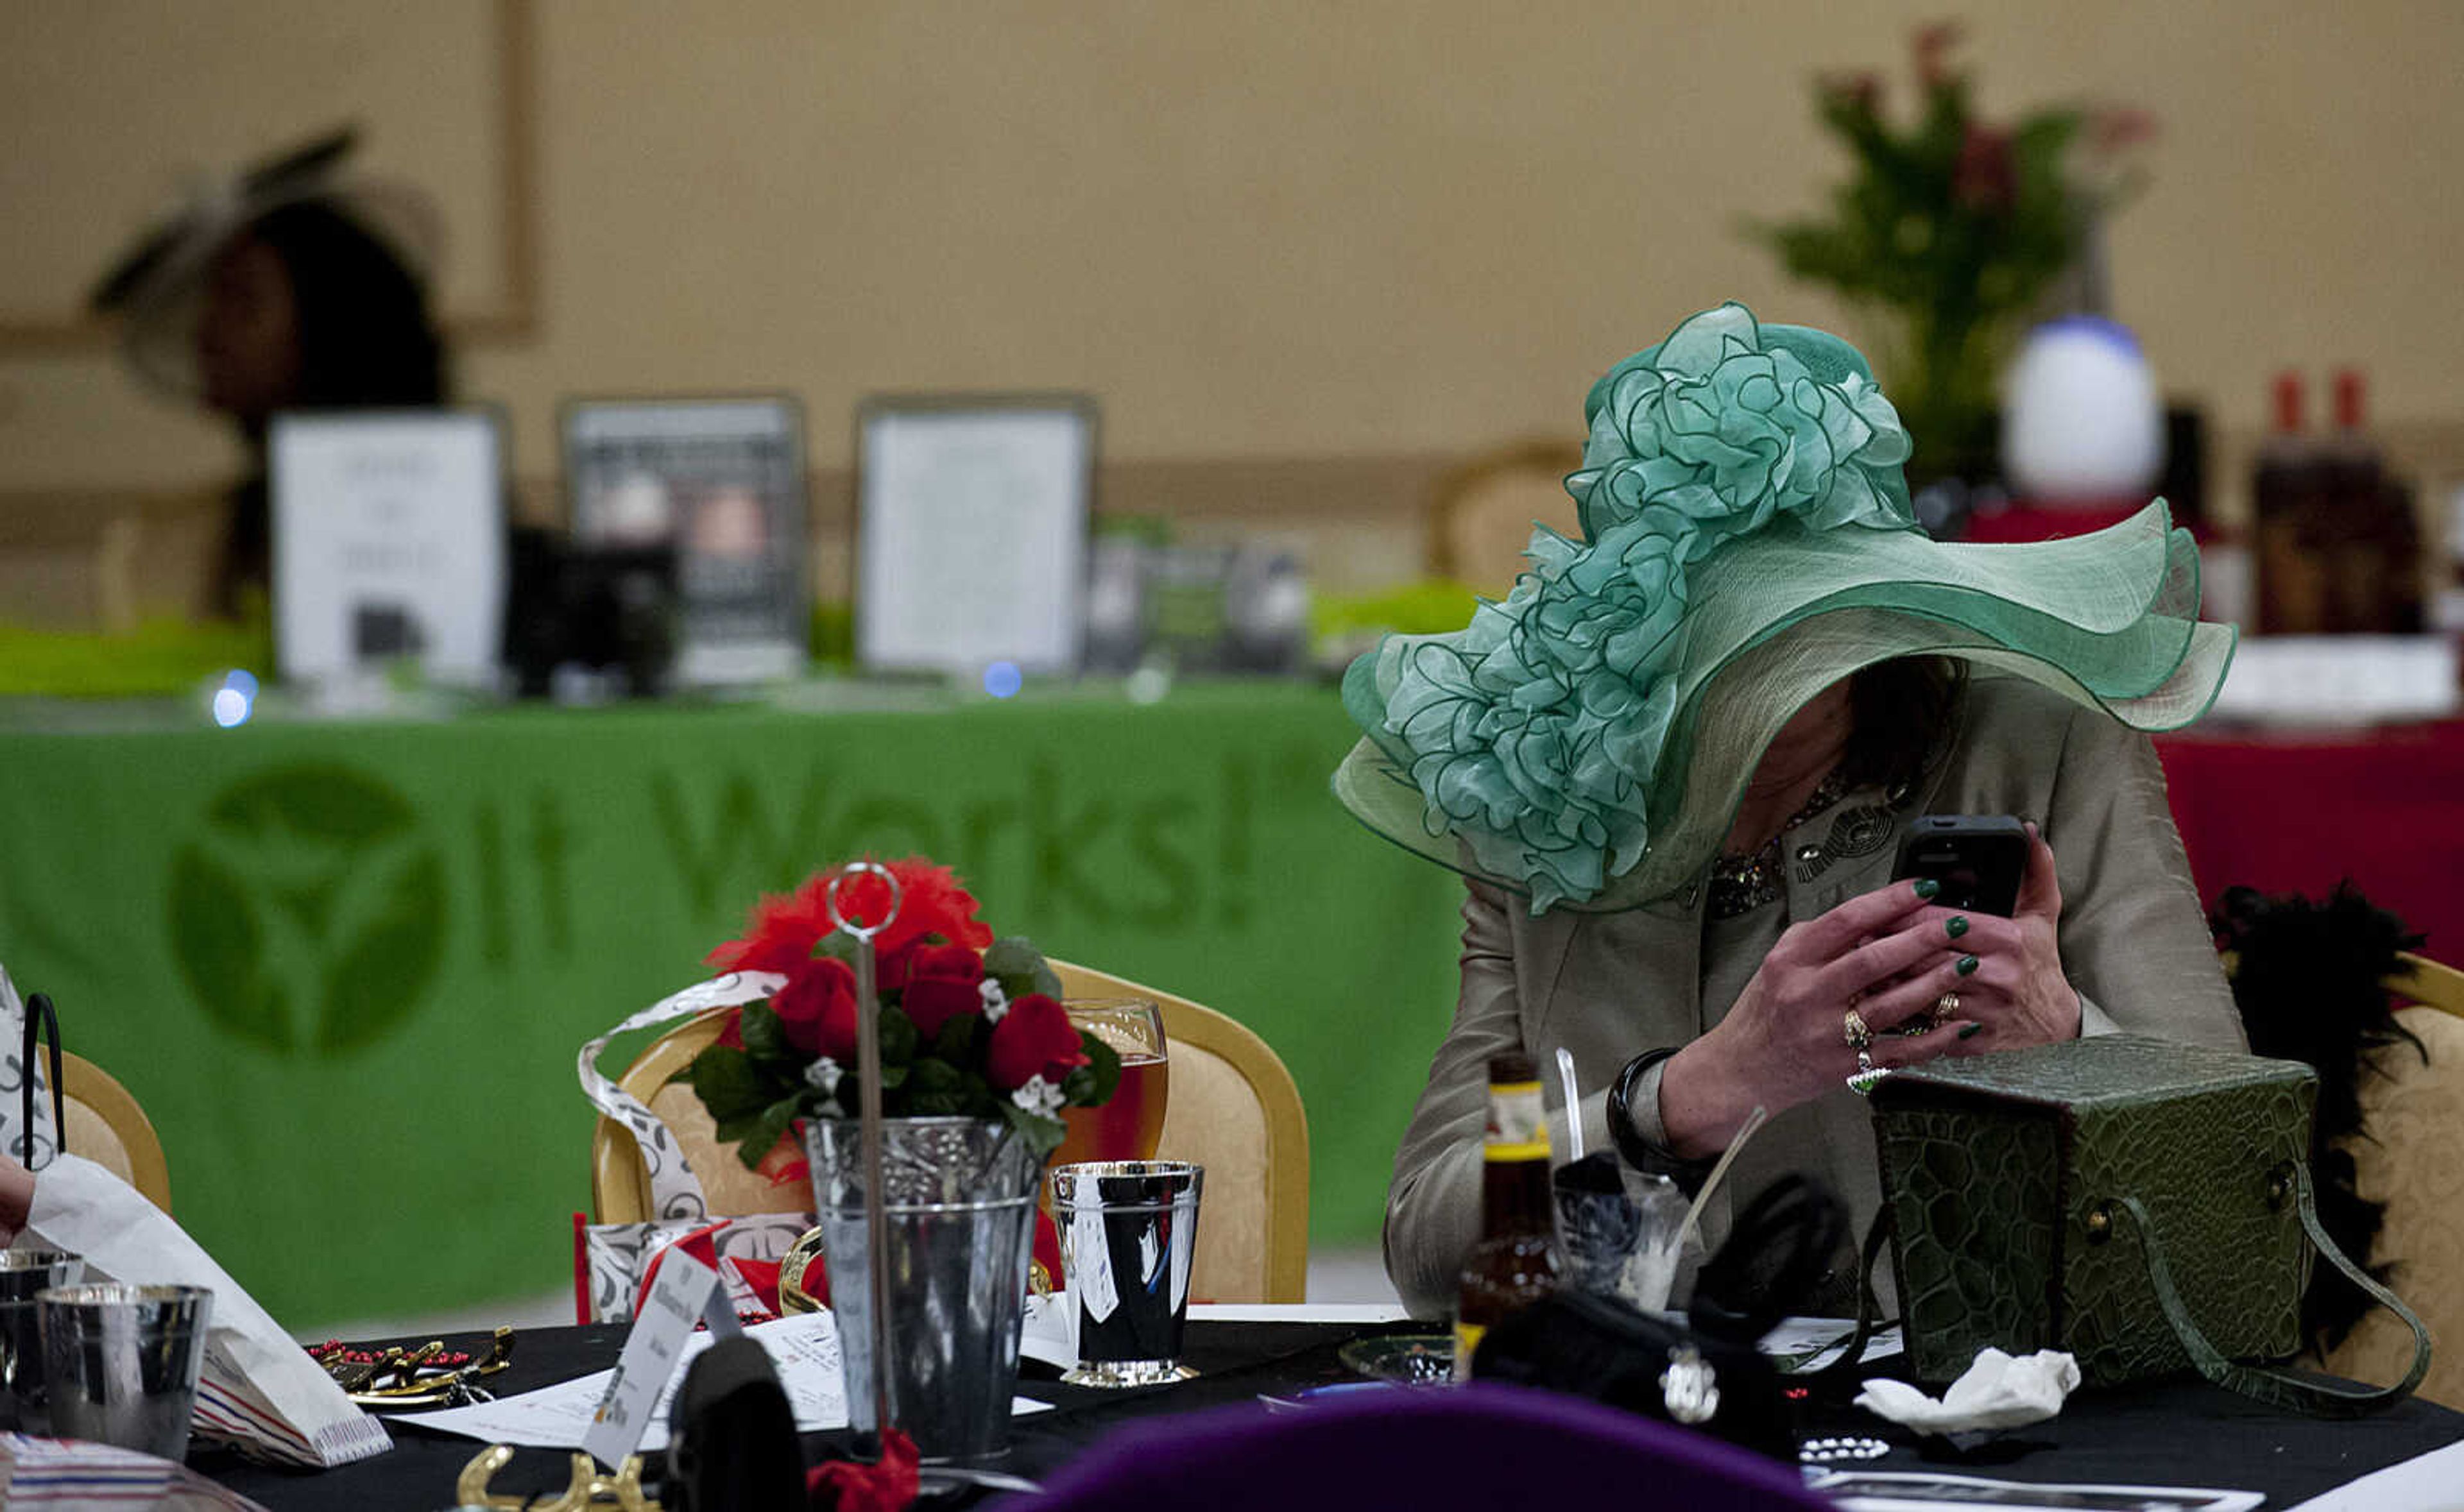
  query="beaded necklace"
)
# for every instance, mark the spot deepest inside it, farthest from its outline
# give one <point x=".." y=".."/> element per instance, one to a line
<point x="1742" y="884"/>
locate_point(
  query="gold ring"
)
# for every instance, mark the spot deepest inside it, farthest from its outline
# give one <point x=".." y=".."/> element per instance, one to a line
<point x="1944" y="1008"/>
<point x="1859" y="1036"/>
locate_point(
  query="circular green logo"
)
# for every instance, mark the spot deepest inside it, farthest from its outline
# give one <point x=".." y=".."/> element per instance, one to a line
<point x="309" y="914"/>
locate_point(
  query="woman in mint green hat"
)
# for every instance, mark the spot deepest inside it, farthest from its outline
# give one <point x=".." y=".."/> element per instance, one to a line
<point x="1675" y="764"/>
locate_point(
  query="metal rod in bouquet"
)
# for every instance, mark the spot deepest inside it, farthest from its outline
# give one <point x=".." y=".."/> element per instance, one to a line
<point x="867" y="1062"/>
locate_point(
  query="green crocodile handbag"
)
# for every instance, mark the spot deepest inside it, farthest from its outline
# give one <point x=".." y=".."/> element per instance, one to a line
<point x="2141" y="1204"/>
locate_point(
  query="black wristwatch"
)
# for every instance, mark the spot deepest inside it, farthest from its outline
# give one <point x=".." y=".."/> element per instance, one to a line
<point x="1639" y="1153"/>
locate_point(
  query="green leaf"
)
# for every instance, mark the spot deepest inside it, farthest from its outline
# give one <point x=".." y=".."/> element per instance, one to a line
<point x="892" y="1076"/>
<point x="1019" y="968"/>
<point x="765" y="1132"/>
<point x="726" y="1083"/>
<point x="1104" y="1064"/>
<point x="836" y="946"/>
<point x="956" y="1043"/>
<point x="1042" y="1135"/>
<point x="765" y="1037"/>
<point x="899" y="1038"/>
<point x="929" y="1077"/>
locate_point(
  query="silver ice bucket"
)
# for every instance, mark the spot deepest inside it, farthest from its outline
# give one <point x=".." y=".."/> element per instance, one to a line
<point x="961" y="1221"/>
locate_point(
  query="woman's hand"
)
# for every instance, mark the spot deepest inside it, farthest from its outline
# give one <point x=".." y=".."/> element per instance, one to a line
<point x="16" y="1199"/>
<point x="1786" y="1040"/>
<point x="2008" y="979"/>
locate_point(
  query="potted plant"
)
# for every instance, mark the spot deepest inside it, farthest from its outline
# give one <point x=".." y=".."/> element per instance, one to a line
<point x="1953" y="228"/>
<point x="977" y="1059"/>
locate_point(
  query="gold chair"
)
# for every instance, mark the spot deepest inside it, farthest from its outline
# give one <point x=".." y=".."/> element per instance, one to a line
<point x="106" y="1126"/>
<point x="1483" y="513"/>
<point x="2410" y="1157"/>
<point x="1234" y="1108"/>
<point x="620" y="1183"/>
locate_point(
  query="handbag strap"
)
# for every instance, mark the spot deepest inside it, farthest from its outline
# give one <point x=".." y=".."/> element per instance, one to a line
<point x="676" y="1191"/>
<point x="1868" y="1309"/>
<point x="40" y="1016"/>
<point x="2280" y="1388"/>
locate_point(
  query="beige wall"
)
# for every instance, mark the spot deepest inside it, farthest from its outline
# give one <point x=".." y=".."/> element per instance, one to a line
<point x="1323" y="229"/>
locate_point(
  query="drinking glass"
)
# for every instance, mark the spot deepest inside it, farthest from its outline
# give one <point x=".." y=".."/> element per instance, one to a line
<point x="1127" y="1127"/>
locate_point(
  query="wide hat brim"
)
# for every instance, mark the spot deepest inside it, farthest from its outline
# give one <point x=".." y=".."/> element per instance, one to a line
<point x="155" y="288"/>
<point x="2108" y="620"/>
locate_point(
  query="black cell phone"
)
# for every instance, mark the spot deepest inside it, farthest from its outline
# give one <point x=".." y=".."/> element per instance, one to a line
<point x="1977" y="858"/>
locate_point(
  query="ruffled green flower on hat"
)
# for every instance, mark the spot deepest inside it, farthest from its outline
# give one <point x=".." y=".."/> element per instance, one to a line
<point x="1534" y="733"/>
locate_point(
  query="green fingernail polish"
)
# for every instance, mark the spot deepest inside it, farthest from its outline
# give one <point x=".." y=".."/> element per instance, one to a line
<point x="1967" y="965"/>
<point x="1926" y="886"/>
<point x="1970" y="1030"/>
<point x="1956" y="926"/>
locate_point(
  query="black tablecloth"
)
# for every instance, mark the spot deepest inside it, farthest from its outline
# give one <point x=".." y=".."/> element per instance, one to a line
<point x="2172" y="1433"/>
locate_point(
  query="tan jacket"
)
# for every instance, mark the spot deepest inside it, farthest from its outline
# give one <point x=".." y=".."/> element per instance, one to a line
<point x="1608" y="986"/>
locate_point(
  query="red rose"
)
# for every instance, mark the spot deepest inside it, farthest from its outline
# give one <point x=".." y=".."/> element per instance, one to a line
<point x="817" y="1008"/>
<point x="942" y="982"/>
<point x="1034" y="1038"/>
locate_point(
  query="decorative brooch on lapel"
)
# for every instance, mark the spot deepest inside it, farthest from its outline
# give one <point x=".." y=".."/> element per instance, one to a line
<point x="1859" y="831"/>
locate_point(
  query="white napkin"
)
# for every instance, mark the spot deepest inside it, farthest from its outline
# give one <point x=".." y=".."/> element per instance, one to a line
<point x="260" y="1390"/>
<point x="1997" y="1391"/>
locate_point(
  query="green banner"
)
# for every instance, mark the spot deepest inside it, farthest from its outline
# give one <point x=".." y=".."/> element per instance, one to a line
<point x="346" y="967"/>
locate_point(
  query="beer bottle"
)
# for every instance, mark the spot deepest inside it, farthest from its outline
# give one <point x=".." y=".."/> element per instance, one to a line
<point x="1515" y="1262"/>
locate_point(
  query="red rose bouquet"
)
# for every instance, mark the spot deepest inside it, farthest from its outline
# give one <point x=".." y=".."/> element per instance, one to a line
<point x="970" y="1025"/>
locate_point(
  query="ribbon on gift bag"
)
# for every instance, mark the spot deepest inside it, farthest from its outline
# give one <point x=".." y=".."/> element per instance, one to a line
<point x="611" y="1261"/>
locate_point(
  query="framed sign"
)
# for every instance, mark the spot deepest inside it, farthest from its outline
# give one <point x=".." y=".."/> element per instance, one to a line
<point x="722" y="482"/>
<point x="388" y="541"/>
<point x="971" y="531"/>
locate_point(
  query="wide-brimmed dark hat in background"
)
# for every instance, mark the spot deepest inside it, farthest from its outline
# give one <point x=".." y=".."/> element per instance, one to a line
<point x="154" y="289"/>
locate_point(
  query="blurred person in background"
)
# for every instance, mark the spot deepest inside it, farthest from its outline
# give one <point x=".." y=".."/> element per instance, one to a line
<point x="284" y="289"/>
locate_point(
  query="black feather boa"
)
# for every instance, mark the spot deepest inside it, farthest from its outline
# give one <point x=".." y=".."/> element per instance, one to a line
<point x="2305" y="977"/>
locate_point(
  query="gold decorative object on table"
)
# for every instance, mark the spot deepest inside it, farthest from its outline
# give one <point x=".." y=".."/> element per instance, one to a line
<point x="429" y="1375"/>
<point x="588" y="1488"/>
<point x="793" y="1299"/>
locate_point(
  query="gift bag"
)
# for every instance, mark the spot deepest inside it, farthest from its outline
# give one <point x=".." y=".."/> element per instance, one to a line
<point x="258" y="1392"/>
<point x="612" y="1261"/>
<point x="2143" y="1205"/>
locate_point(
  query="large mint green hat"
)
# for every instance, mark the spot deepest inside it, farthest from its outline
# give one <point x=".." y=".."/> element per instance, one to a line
<point x="1748" y="541"/>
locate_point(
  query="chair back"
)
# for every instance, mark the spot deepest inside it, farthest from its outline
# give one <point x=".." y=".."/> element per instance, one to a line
<point x="106" y="1126"/>
<point x="1483" y="513"/>
<point x="1475" y="1448"/>
<point x="1233" y="1108"/>
<point x="2407" y="1157"/>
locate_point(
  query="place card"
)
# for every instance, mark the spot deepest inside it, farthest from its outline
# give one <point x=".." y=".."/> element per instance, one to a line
<point x="663" y="1326"/>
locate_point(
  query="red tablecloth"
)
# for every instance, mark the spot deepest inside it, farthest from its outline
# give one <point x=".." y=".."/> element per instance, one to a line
<point x="2296" y="812"/>
<point x="2022" y="522"/>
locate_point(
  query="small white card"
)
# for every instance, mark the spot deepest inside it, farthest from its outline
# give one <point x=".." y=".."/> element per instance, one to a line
<point x="662" y="1326"/>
